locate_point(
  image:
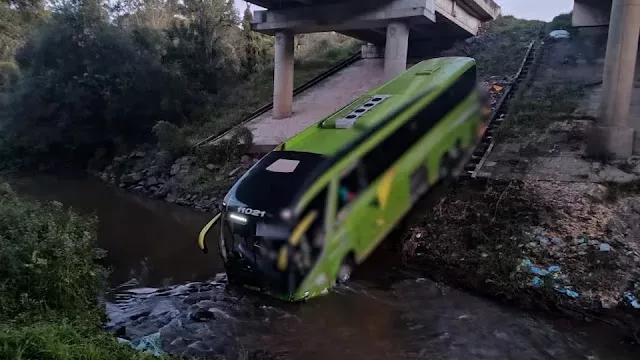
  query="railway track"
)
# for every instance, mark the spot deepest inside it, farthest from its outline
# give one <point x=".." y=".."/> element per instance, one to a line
<point x="499" y="113"/>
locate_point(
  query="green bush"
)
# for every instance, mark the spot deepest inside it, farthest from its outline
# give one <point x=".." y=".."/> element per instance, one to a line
<point x="170" y="138"/>
<point x="49" y="285"/>
<point x="47" y="259"/>
<point x="562" y="22"/>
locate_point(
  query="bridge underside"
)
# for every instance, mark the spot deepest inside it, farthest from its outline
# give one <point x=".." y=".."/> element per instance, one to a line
<point x="397" y="28"/>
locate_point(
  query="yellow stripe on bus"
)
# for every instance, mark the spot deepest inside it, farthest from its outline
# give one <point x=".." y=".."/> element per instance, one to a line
<point x="283" y="258"/>
<point x="302" y="228"/>
<point x="384" y="189"/>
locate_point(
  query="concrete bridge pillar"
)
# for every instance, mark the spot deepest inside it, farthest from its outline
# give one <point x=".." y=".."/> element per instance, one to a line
<point x="395" y="50"/>
<point x="283" y="75"/>
<point x="614" y="133"/>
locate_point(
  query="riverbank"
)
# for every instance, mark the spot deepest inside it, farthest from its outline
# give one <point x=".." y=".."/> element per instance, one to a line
<point x="50" y="284"/>
<point x="543" y="226"/>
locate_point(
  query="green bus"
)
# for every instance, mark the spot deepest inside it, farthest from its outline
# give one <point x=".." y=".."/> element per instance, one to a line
<point x="317" y="205"/>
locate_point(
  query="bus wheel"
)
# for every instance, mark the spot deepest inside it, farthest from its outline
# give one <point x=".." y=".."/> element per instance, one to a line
<point x="346" y="269"/>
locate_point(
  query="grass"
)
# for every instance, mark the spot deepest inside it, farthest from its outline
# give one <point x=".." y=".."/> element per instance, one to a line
<point x="536" y="107"/>
<point x="50" y="283"/>
<point x="64" y="340"/>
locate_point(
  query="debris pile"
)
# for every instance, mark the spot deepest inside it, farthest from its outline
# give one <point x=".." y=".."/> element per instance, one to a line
<point x="566" y="242"/>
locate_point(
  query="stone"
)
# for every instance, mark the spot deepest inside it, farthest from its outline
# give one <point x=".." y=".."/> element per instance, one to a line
<point x="211" y="167"/>
<point x="138" y="154"/>
<point x="175" y="169"/>
<point x="152" y="181"/>
<point x="202" y="315"/>
<point x="131" y="179"/>
<point x="171" y="198"/>
<point x="245" y="159"/>
<point x="608" y="303"/>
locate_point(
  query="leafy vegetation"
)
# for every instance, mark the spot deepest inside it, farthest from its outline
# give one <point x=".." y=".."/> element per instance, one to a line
<point x="501" y="46"/>
<point x="95" y="76"/>
<point x="562" y="22"/>
<point x="50" y="284"/>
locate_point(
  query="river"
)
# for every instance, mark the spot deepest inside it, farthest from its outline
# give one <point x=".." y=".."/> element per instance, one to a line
<point x="384" y="312"/>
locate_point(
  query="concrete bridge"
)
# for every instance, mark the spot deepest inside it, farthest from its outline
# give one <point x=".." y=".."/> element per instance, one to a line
<point x="395" y="29"/>
<point x="618" y="129"/>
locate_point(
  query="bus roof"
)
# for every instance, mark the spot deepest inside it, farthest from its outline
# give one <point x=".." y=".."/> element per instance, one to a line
<point x="340" y="129"/>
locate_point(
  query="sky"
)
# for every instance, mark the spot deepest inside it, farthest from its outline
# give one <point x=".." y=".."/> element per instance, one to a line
<point x="544" y="10"/>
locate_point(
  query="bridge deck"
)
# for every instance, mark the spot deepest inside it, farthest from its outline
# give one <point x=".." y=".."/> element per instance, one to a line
<point x="429" y="20"/>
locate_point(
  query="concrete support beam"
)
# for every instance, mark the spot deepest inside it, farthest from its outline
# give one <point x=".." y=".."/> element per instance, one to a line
<point x="343" y="16"/>
<point x="614" y="133"/>
<point x="395" y="50"/>
<point x="283" y="75"/>
<point x="456" y="12"/>
<point x="591" y="13"/>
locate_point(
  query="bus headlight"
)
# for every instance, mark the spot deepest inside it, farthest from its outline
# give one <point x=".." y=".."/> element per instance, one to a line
<point x="238" y="218"/>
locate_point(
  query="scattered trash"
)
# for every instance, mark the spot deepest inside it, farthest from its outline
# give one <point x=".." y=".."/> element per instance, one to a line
<point x="552" y="275"/>
<point x="579" y="241"/>
<point x="567" y="290"/>
<point x="537" y="271"/>
<point x="560" y="34"/>
<point x="605" y="247"/>
<point x="632" y="299"/>
<point x="497" y="88"/>
<point x="151" y="344"/>
<point x="537" y="282"/>
<point x="543" y="240"/>
<point x="554" y="269"/>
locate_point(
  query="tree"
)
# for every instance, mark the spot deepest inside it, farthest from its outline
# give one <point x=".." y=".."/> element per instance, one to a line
<point x="257" y="46"/>
<point x="85" y="85"/>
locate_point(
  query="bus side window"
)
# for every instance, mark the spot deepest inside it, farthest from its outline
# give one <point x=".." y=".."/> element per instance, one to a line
<point x="350" y="186"/>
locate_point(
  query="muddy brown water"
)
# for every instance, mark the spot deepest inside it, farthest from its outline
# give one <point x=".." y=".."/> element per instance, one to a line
<point x="384" y="312"/>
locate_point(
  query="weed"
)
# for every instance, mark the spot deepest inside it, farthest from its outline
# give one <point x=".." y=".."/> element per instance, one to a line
<point x="617" y="190"/>
<point x="476" y="233"/>
<point x="536" y="107"/>
<point x="501" y="47"/>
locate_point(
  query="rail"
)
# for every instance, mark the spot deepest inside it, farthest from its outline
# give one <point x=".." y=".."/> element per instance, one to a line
<point x="297" y="91"/>
<point x="484" y="148"/>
